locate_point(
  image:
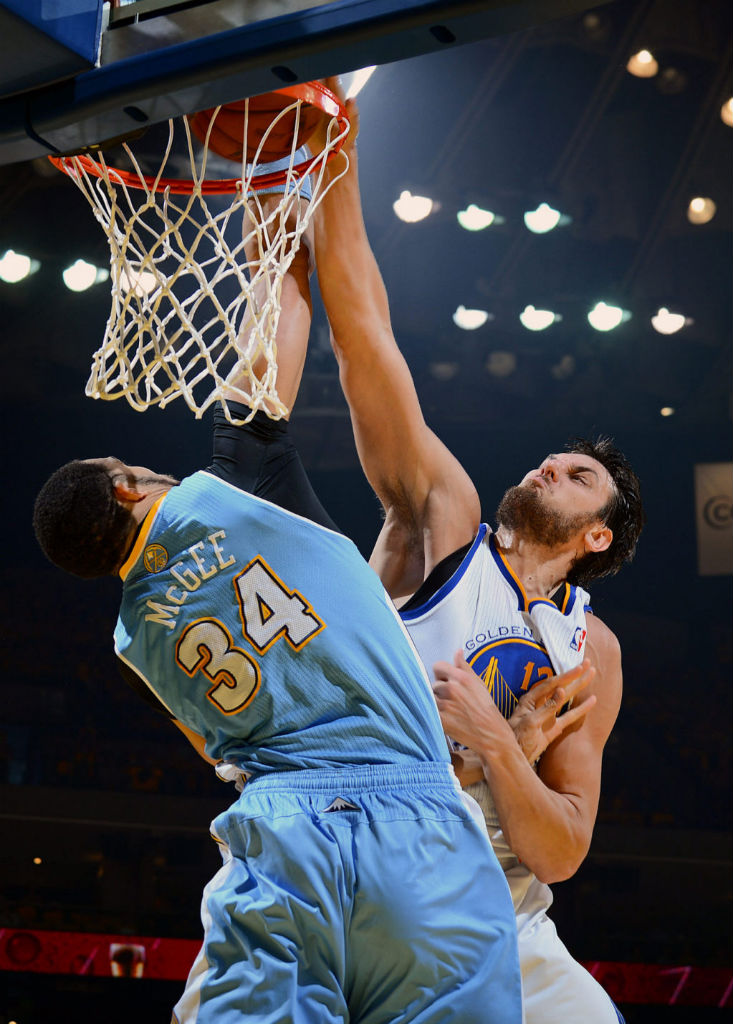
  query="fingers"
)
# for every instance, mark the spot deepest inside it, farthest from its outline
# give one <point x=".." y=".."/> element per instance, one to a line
<point x="563" y="687"/>
<point x="334" y="84"/>
<point x="460" y="662"/>
<point x="443" y="670"/>
<point x="575" y="714"/>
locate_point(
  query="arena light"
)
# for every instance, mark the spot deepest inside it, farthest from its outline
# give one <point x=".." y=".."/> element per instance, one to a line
<point x="604" y="317"/>
<point x="470" y="319"/>
<point x="15" y="267"/>
<point x="82" y="275"/>
<point x="410" y="208"/>
<point x="359" y="80"/>
<point x="543" y="219"/>
<point x="501" y="364"/>
<point x="443" y="370"/>
<point x="642" y="65"/>
<point x="564" y="368"/>
<point x="726" y="112"/>
<point x="537" y="319"/>
<point x="141" y="283"/>
<point x="474" y="218"/>
<point x="665" y="322"/>
<point x="701" y="210"/>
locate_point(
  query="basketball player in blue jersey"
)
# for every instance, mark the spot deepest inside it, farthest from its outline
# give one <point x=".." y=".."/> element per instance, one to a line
<point x="255" y="625"/>
<point x="510" y="603"/>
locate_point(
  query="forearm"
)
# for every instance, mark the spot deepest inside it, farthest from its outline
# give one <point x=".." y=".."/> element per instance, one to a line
<point x="388" y="426"/>
<point x="544" y="828"/>
<point x="352" y="288"/>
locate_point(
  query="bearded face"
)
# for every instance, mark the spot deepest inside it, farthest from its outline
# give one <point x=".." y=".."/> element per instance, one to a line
<point x="523" y="511"/>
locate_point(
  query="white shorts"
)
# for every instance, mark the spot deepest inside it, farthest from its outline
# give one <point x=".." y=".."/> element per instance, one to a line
<point x="555" y="988"/>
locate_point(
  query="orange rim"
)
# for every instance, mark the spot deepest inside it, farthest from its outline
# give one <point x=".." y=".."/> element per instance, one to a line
<point x="314" y="93"/>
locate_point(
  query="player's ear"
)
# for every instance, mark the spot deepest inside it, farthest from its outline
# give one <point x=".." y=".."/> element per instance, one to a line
<point x="597" y="538"/>
<point x="124" y="492"/>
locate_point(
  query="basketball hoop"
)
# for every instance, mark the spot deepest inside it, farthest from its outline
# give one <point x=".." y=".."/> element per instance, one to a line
<point x="191" y="313"/>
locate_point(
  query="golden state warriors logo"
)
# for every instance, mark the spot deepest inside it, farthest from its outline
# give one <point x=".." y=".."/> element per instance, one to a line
<point x="509" y="665"/>
<point x="155" y="558"/>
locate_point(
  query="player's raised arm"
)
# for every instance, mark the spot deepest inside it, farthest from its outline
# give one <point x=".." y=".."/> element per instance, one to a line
<point x="427" y="495"/>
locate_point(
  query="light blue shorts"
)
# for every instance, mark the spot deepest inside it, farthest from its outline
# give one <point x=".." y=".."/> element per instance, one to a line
<point x="304" y="184"/>
<point x="369" y="895"/>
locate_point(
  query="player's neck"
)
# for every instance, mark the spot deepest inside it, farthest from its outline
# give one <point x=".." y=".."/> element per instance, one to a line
<point x="540" y="569"/>
<point x="139" y="509"/>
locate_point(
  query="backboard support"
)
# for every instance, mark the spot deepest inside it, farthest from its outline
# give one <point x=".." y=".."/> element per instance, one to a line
<point x="159" y="59"/>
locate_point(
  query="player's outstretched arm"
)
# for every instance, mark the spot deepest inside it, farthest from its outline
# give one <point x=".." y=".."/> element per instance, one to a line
<point x="432" y="507"/>
<point x="294" y="322"/>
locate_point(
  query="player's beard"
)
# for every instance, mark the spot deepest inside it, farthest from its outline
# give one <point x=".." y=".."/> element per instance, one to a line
<point x="522" y="511"/>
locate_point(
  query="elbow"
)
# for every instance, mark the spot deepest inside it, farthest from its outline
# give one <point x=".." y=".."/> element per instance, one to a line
<point x="556" y="863"/>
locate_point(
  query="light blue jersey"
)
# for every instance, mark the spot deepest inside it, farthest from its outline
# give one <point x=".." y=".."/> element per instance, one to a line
<point x="269" y="636"/>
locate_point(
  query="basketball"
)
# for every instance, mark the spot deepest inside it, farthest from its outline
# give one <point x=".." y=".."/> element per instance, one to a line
<point x="265" y="112"/>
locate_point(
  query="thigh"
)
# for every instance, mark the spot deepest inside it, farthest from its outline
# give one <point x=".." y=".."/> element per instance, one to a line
<point x="433" y="936"/>
<point x="273" y="948"/>
<point x="557" y="989"/>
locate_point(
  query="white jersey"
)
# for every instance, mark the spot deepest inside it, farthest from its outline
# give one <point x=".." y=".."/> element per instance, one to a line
<point x="510" y="641"/>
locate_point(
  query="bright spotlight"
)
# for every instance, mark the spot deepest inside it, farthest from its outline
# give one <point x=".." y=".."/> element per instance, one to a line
<point x="642" y="65"/>
<point x="701" y="210"/>
<point x="604" y="317"/>
<point x="726" y="112"/>
<point x="668" y="323"/>
<point x="412" y="208"/>
<point x="470" y="319"/>
<point x="141" y="282"/>
<point x="543" y="219"/>
<point x="82" y="275"/>
<point x="14" y="267"/>
<point x="537" y="319"/>
<point x="473" y="218"/>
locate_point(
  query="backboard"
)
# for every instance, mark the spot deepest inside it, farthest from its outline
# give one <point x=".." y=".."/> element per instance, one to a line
<point x="102" y="69"/>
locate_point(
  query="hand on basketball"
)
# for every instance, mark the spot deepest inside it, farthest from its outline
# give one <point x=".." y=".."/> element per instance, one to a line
<point x="319" y="139"/>
<point x="536" y="720"/>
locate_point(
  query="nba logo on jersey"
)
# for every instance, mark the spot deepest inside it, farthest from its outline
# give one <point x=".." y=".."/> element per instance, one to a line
<point x="578" y="639"/>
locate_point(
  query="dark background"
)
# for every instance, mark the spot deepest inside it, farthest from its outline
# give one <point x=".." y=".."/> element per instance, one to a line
<point x="110" y="796"/>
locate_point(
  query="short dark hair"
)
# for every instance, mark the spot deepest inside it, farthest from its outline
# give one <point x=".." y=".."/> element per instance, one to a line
<point x="78" y="521"/>
<point x="623" y="513"/>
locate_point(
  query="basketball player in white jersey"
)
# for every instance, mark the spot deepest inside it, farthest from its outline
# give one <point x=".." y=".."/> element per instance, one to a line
<point x="510" y="603"/>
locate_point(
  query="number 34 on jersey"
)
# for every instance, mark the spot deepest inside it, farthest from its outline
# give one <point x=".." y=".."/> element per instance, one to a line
<point x="269" y="612"/>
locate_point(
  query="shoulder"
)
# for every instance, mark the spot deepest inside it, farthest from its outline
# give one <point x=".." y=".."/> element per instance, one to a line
<point x="602" y="639"/>
<point x="604" y="652"/>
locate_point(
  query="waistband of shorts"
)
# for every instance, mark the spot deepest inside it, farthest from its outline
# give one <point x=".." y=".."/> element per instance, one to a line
<point x="428" y="774"/>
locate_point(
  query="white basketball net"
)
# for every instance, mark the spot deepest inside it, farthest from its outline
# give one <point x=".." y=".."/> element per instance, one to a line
<point x="191" y="313"/>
